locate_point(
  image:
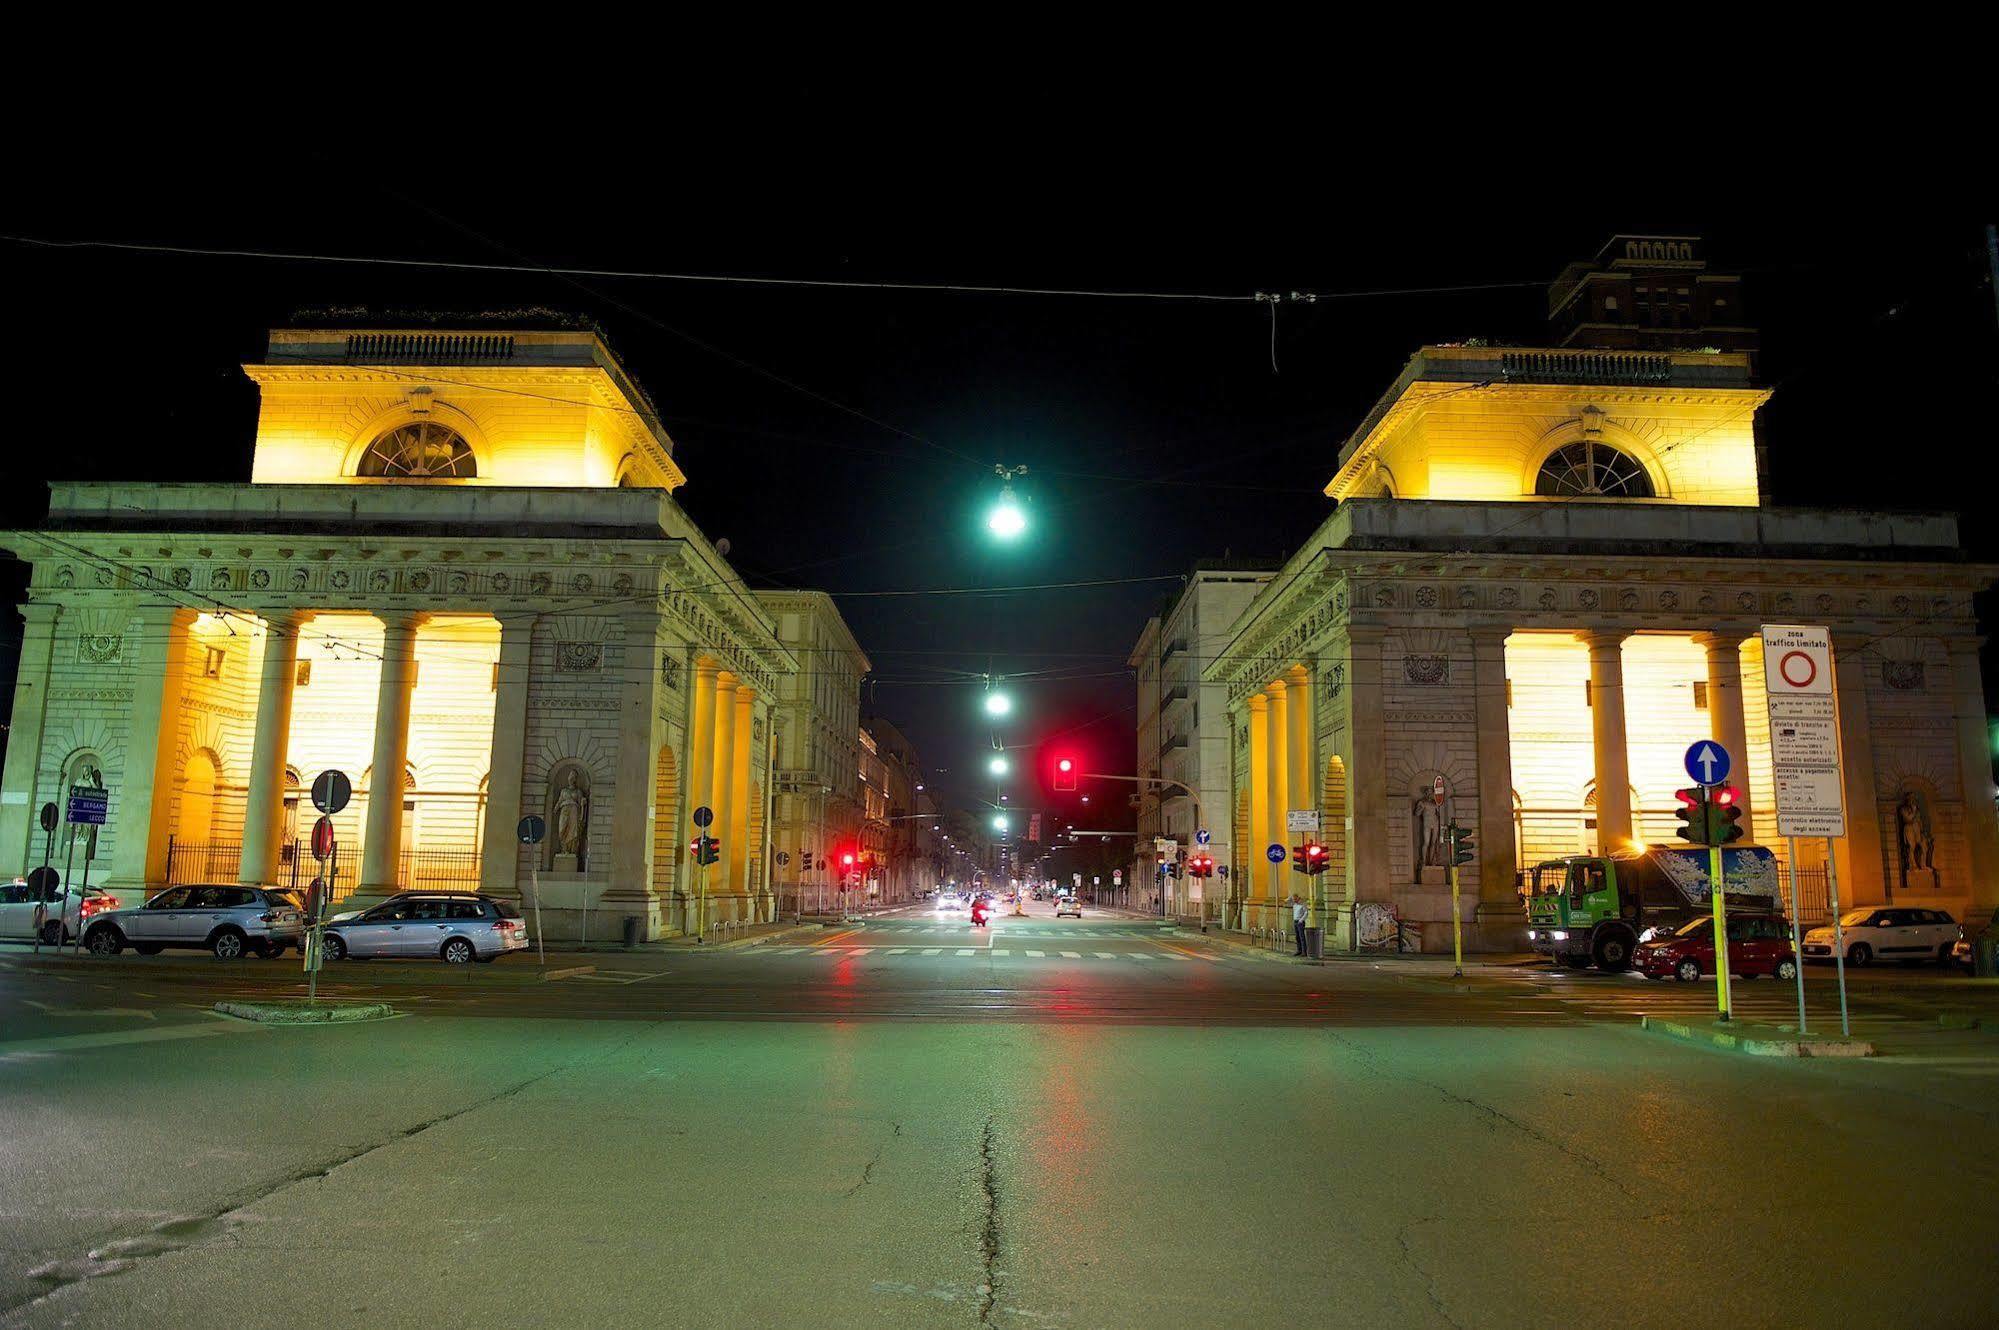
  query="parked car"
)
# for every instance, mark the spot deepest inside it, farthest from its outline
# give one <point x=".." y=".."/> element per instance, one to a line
<point x="1757" y="944"/>
<point x="17" y="911"/>
<point x="226" y="919"/>
<point x="1888" y="933"/>
<point x="455" y="928"/>
<point x="1068" y="905"/>
<point x="1964" y="951"/>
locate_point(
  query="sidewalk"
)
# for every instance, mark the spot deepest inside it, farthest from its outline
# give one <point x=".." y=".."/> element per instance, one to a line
<point x="1283" y="952"/>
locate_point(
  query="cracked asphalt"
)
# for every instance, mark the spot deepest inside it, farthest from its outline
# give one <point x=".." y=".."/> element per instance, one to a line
<point x="625" y="1150"/>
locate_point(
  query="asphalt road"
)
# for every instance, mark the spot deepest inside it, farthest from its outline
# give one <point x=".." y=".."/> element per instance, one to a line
<point x="908" y="1123"/>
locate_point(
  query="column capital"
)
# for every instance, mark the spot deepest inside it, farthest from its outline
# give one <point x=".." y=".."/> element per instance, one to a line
<point x="1488" y="641"/>
<point x="1275" y="688"/>
<point x="1297" y="676"/>
<point x="1724" y="637"/>
<point x="1258" y="702"/>
<point x="1602" y="639"/>
<point x="1963" y="644"/>
<point x="406" y="620"/>
<point x="40" y="611"/>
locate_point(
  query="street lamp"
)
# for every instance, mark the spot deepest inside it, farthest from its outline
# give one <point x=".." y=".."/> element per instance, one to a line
<point x="1007" y="519"/>
<point x="997" y="703"/>
<point x="997" y="766"/>
<point x="999" y="822"/>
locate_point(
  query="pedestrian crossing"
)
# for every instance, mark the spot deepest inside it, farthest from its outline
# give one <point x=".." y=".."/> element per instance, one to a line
<point x="1086" y="934"/>
<point x="1142" y="958"/>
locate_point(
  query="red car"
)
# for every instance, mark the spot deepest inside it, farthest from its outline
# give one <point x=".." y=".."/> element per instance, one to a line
<point x="1757" y="944"/>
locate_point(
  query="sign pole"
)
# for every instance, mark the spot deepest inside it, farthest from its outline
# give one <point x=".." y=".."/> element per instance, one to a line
<point x="534" y="885"/>
<point x="701" y="914"/>
<point x="42" y="882"/>
<point x="1797" y="944"/>
<point x="1720" y="897"/>
<point x="68" y="864"/>
<point x="82" y="890"/>
<point x="1457" y="920"/>
<point x="1838" y="935"/>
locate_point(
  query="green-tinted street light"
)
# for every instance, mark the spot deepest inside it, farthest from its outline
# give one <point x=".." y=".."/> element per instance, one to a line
<point x="1000" y="823"/>
<point x="1007" y="519"/>
<point x="998" y="703"/>
<point x="998" y="766"/>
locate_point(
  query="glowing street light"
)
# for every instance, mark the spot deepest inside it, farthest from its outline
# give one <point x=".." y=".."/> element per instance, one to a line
<point x="1007" y="519"/>
<point x="999" y="822"/>
<point x="998" y="703"/>
<point x="998" y="766"/>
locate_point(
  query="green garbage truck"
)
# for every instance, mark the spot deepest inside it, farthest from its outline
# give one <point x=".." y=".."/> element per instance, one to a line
<point x="1595" y="909"/>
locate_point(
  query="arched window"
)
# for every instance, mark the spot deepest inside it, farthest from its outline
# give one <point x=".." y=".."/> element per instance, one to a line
<point x="1587" y="467"/>
<point x="419" y="450"/>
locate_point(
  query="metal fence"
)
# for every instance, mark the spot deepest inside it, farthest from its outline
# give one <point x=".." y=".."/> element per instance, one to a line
<point x="221" y="861"/>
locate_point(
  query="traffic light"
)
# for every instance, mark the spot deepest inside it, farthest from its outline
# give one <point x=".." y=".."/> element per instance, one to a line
<point x="1692" y="815"/>
<point x="1298" y="864"/>
<point x="1316" y="859"/>
<point x="1201" y="865"/>
<point x="1726" y="816"/>
<point x="1464" y="844"/>
<point x="1065" y="773"/>
<point x="1172" y="867"/>
<point x="707" y="849"/>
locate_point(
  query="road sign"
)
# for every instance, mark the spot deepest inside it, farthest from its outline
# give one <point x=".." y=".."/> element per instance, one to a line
<point x="1162" y="845"/>
<point x="1301" y="819"/>
<point x="783" y="858"/>
<point x="1804" y="730"/>
<point x="1078" y="877"/>
<point x="1117" y="877"/>
<point x="322" y="839"/>
<point x="1202" y="837"/>
<point x="1275" y="854"/>
<point x="331" y="790"/>
<point x="703" y="815"/>
<point x="531" y="830"/>
<point x="50" y="816"/>
<point x="87" y="805"/>
<point x="1708" y="762"/>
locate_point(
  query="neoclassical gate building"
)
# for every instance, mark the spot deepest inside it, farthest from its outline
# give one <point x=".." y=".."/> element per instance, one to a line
<point x="457" y="575"/>
<point x="1543" y="580"/>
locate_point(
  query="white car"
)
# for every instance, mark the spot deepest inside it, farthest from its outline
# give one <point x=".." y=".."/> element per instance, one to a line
<point x="17" y="911"/>
<point x="1888" y="933"/>
<point x="949" y="901"/>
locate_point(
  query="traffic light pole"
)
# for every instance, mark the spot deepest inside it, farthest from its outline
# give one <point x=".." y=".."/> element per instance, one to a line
<point x="1720" y="898"/>
<point x="1457" y="922"/>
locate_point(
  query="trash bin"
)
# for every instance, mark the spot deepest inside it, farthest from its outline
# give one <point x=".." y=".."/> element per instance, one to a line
<point x="1315" y="943"/>
<point x="633" y="926"/>
<point x="1985" y="957"/>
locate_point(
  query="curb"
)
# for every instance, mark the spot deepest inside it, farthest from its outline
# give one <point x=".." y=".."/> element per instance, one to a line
<point x="267" y="1013"/>
<point x="1759" y="1046"/>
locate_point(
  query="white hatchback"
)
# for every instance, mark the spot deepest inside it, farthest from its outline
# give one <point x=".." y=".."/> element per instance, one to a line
<point x="1888" y="933"/>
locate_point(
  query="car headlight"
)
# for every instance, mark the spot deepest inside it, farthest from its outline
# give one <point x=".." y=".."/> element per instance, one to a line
<point x="1558" y="936"/>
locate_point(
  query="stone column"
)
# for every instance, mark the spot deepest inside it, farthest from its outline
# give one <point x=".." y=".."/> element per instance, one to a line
<point x="739" y="790"/>
<point x="1302" y="779"/>
<point x="1613" y="764"/>
<point x="767" y="888"/>
<point x="721" y="780"/>
<point x="264" y="805"/>
<point x="1499" y="911"/>
<point x="1367" y="779"/>
<point x="1726" y="725"/>
<point x="700" y="771"/>
<point x="1276" y="875"/>
<point x="157" y="649"/>
<point x="637" y="778"/>
<point x="1862" y="869"/>
<point x="21" y="838"/>
<point x="500" y="855"/>
<point x="1250" y="869"/>
<point x="1974" y="765"/>
<point x="382" y="843"/>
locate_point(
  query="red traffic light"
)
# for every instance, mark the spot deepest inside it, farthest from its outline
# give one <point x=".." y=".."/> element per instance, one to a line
<point x="1315" y="851"/>
<point x="1065" y="773"/>
<point x="1726" y="796"/>
<point x="847" y="860"/>
<point x="1691" y="798"/>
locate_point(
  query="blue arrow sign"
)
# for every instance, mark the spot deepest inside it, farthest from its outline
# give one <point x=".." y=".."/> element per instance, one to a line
<point x="1201" y="837"/>
<point x="1275" y="854"/>
<point x="1707" y="762"/>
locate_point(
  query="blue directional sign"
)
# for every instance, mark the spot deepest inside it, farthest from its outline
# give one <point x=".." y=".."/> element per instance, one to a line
<point x="1707" y="762"/>
<point x="1275" y="854"/>
<point x="1201" y="837"/>
<point x="87" y="805"/>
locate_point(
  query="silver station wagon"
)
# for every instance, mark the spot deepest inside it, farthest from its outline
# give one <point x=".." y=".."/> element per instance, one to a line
<point x="226" y="919"/>
<point x="453" y="928"/>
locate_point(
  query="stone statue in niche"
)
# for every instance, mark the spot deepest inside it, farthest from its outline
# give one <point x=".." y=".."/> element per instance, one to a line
<point x="570" y="818"/>
<point x="1919" y="845"/>
<point x="1429" y="814"/>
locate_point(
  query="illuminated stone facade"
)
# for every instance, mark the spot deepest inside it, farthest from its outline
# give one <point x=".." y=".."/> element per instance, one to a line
<point x="458" y="560"/>
<point x="817" y="805"/>
<point x="1544" y="579"/>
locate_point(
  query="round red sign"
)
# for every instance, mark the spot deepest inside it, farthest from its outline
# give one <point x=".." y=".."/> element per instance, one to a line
<point x="1797" y="669"/>
<point x="322" y="838"/>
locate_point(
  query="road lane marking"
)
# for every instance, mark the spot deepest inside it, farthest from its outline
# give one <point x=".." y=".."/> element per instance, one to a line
<point x="897" y="951"/>
<point x="1037" y="954"/>
<point x="933" y="951"/>
<point x="1072" y="955"/>
<point x="965" y="951"/>
<point x="1004" y="952"/>
<point x="1106" y="955"/>
<point x="66" y="1042"/>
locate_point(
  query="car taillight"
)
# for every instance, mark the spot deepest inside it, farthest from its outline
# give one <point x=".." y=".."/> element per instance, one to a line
<point x="270" y="916"/>
<point x="92" y="905"/>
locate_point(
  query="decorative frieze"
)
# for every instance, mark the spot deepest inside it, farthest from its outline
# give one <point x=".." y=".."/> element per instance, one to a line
<point x="579" y="657"/>
<point x="100" y="648"/>
<point x="1904" y="675"/>
<point x="1425" y="669"/>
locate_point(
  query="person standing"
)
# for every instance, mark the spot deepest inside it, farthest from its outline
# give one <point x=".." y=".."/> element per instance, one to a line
<point x="1298" y="922"/>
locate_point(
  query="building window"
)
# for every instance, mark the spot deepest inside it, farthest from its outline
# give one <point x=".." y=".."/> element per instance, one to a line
<point x="420" y="450"/>
<point x="1589" y="468"/>
<point x="211" y="664"/>
<point x="1700" y="695"/>
<point x="302" y="676"/>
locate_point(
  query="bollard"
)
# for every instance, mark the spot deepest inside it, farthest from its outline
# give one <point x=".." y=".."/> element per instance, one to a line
<point x="632" y="925"/>
<point x="1315" y="943"/>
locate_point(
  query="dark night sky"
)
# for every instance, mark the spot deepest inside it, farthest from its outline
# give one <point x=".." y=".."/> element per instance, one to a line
<point x="1155" y="433"/>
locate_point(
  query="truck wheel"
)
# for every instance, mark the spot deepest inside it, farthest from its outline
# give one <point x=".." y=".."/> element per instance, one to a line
<point x="1612" y="950"/>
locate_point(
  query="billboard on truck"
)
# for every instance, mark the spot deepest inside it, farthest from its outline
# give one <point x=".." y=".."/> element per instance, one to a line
<point x="1748" y="872"/>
